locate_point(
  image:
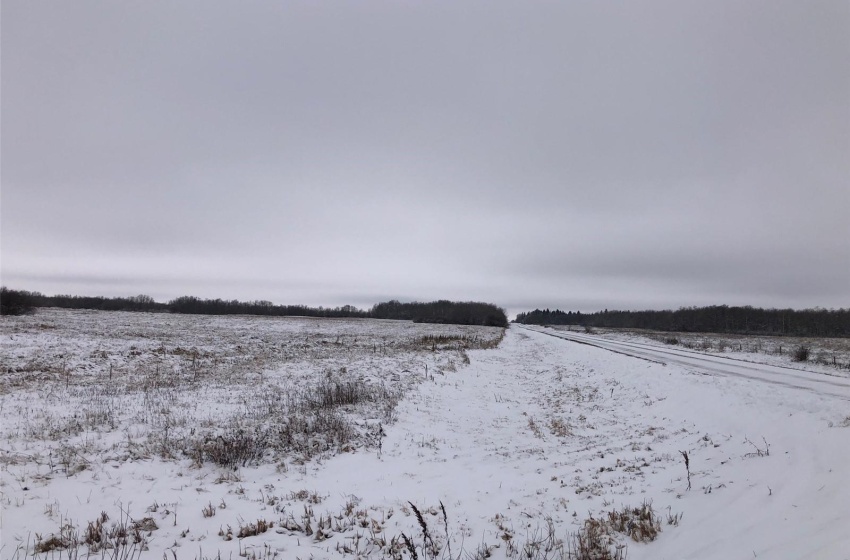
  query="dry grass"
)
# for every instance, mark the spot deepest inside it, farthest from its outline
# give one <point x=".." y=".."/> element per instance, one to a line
<point x="306" y="496"/>
<point x="270" y="388"/>
<point x="84" y="389"/>
<point x="559" y="428"/>
<point x="594" y="542"/>
<point x="833" y="352"/>
<point x="598" y="539"/>
<point x="641" y="523"/>
<point x="124" y="539"/>
<point x="436" y="342"/>
<point x="254" y="529"/>
<point x="208" y="510"/>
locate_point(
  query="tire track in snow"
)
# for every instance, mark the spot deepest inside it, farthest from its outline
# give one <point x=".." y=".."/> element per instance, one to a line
<point x="702" y="363"/>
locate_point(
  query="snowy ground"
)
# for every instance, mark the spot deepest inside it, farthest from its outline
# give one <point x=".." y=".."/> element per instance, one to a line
<point x="827" y="355"/>
<point x="521" y="445"/>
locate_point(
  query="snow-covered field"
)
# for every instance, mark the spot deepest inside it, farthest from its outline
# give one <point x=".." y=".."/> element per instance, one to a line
<point x="827" y="355"/>
<point x="161" y="436"/>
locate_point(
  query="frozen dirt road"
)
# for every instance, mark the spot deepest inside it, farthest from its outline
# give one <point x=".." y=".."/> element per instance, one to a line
<point x="700" y="362"/>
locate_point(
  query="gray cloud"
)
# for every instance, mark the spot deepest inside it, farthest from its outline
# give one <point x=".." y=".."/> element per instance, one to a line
<point x="579" y="155"/>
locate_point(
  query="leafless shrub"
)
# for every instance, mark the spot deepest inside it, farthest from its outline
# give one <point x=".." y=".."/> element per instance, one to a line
<point x="802" y="353"/>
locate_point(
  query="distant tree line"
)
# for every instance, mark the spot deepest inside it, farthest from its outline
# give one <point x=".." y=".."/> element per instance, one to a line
<point x="16" y="302"/>
<point x="716" y="319"/>
<point x="443" y="311"/>
<point x="132" y="303"/>
<point x="197" y="306"/>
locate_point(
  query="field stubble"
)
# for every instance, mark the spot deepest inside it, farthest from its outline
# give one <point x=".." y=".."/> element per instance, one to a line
<point x="84" y="390"/>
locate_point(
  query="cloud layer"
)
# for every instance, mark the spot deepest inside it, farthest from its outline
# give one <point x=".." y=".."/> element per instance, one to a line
<point x="574" y="155"/>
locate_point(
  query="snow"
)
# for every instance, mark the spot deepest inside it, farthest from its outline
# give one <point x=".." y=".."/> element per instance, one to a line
<point x="537" y="429"/>
<point x="829" y="356"/>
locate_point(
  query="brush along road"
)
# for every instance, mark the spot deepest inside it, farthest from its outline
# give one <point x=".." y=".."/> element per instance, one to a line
<point x="820" y="383"/>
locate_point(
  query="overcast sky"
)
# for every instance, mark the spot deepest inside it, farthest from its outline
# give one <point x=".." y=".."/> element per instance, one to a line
<point x="571" y="154"/>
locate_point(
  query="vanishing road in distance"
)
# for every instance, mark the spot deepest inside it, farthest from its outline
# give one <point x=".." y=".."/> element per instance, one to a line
<point x="835" y="385"/>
